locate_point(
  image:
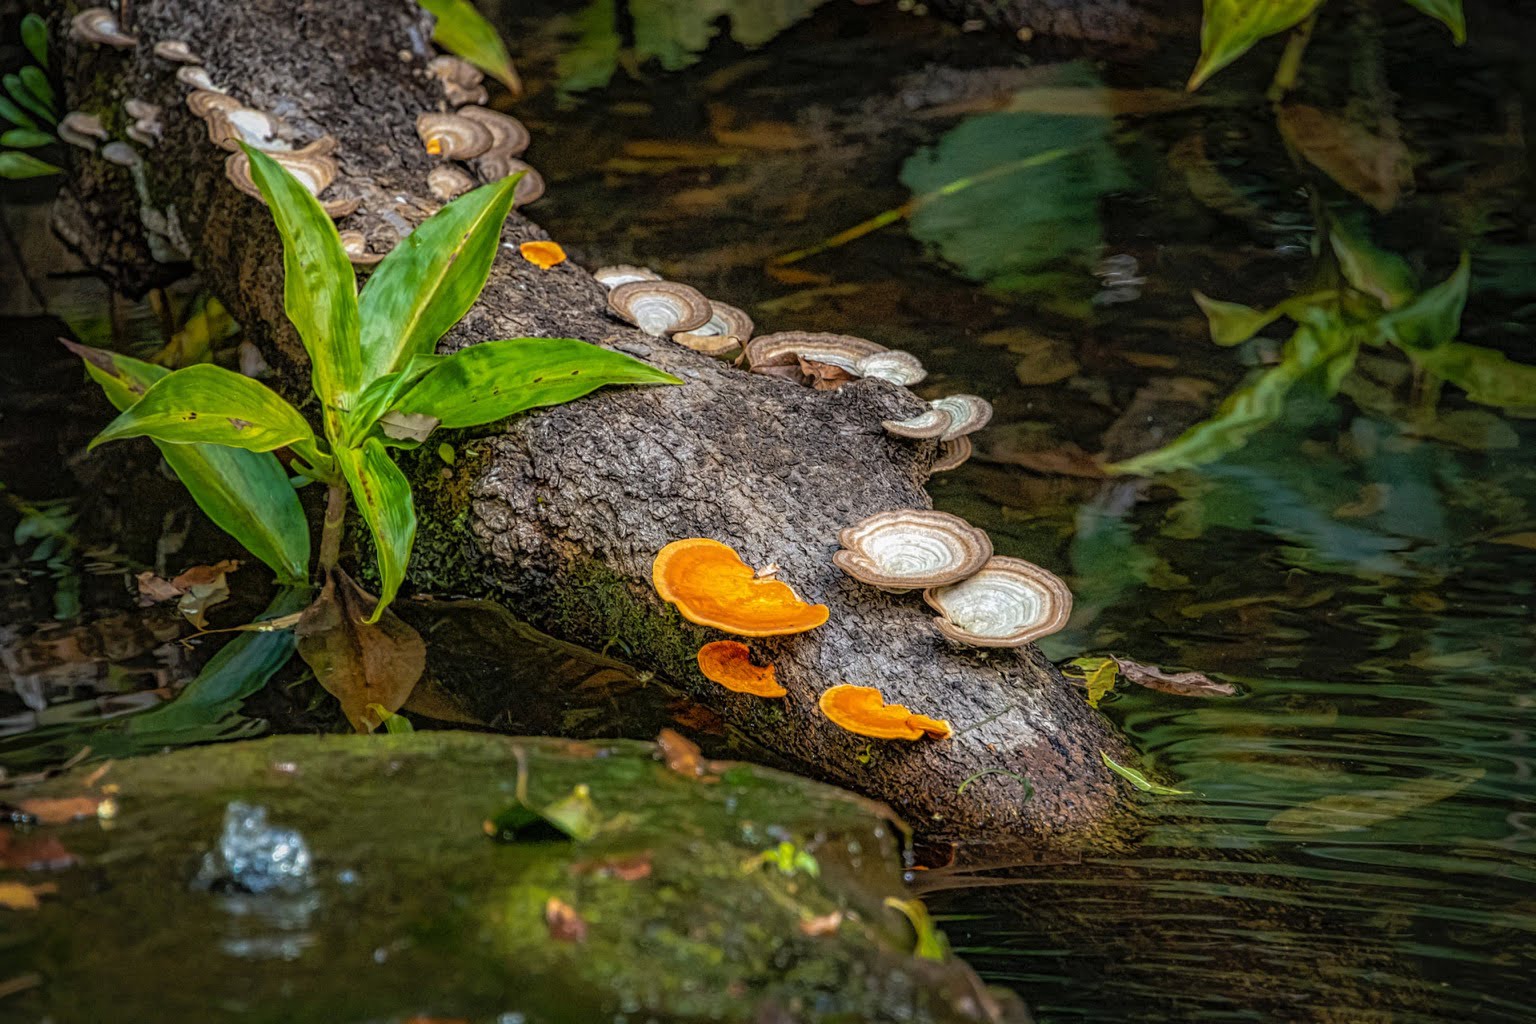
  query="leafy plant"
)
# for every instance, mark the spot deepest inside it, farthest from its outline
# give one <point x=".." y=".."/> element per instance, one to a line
<point x="463" y="30"/>
<point x="374" y="372"/>
<point x="29" y="107"/>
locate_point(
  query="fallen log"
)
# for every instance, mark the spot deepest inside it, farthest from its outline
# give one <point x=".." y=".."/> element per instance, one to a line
<point x="559" y="514"/>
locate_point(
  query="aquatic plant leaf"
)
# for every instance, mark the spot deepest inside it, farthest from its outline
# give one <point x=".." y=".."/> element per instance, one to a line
<point x="1233" y="323"/>
<point x="17" y="166"/>
<point x="246" y="494"/>
<point x="494" y="380"/>
<point x="207" y="404"/>
<point x="1354" y="812"/>
<point x="463" y="30"/>
<point x="591" y="59"/>
<point x="319" y="284"/>
<point x="1139" y="780"/>
<point x="1373" y="167"/>
<point x="1100" y="675"/>
<point x="1385" y="276"/>
<point x="383" y="495"/>
<point x="431" y="278"/>
<point x="363" y="655"/>
<point x="23" y="97"/>
<point x="34" y="36"/>
<point x="1184" y="684"/>
<point x="1487" y="376"/>
<point x="24" y="138"/>
<point x="1449" y="13"/>
<point x="1231" y="27"/>
<point x="677" y="34"/>
<point x="1433" y="318"/>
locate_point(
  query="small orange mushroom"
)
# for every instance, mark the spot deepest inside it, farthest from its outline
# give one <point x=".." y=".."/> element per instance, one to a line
<point x="729" y="663"/>
<point x="862" y="710"/>
<point x="712" y="586"/>
<point x="542" y="254"/>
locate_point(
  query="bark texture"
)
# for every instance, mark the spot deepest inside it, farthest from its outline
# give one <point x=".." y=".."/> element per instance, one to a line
<point x="1119" y="24"/>
<point x="561" y="512"/>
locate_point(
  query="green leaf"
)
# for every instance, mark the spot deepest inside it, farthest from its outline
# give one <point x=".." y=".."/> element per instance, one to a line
<point x="1447" y="11"/>
<point x="319" y="285"/>
<point x="24" y="165"/>
<point x="1100" y="674"/>
<point x="488" y="382"/>
<point x="246" y="494"/>
<point x="22" y="95"/>
<point x="1233" y="323"/>
<point x="1232" y="26"/>
<point x="463" y="30"/>
<point x="1487" y="376"/>
<point x="12" y="113"/>
<point x="1433" y="318"/>
<point x="37" y="85"/>
<point x="428" y="282"/>
<point x="34" y="36"/>
<point x="207" y="404"/>
<point x="24" y="138"/>
<point x="382" y="393"/>
<point x="1139" y="780"/>
<point x="394" y="724"/>
<point x="383" y="495"/>
<point x="1385" y="276"/>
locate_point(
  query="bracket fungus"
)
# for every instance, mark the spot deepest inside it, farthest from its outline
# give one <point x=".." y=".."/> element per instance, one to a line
<point x="460" y="80"/>
<point x="1007" y="604"/>
<point x="969" y="414"/>
<point x="146" y="128"/>
<point x="728" y="328"/>
<point x="895" y="366"/>
<point x="81" y="129"/>
<point x="711" y="586"/>
<point x="495" y="166"/>
<point x="196" y="77"/>
<point x="228" y="126"/>
<point x="176" y="51"/>
<point x="953" y="454"/>
<point x="862" y="710"/>
<point x="659" y="308"/>
<point x="508" y="135"/>
<point x="313" y="166"/>
<point x="729" y="663"/>
<point x="623" y="273"/>
<point x="452" y="136"/>
<point x="447" y="181"/>
<point x="122" y="154"/>
<point x="908" y="549"/>
<point x="99" y="25"/>
<point x="787" y="348"/>
<point x="355" y="245"/>
<point x="930" y="424"/>
<point x="204" y="102"/>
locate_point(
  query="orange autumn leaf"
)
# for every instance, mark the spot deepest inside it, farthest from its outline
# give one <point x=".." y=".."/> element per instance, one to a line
<point x="56" y="811"/>
<point x="542" y="254"/>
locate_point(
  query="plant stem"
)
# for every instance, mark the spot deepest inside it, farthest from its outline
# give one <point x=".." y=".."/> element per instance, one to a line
<point x="330" y="530"/>
<point x="1289" y="68"/>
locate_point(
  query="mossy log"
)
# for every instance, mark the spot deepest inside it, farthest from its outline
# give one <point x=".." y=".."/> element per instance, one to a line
<point x="559" y="514"/>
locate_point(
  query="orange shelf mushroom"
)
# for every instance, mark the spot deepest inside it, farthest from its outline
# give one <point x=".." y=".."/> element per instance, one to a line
<point x="712" y="586"/>
<point x="862" y="710"/>
<point x="543" y="255"/>
<point x="729" y="663"/>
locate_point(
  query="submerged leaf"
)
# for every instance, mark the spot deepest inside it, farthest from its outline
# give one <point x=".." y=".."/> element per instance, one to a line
<point x="1230" y="27"/>
<point x="1100" y="675"/>
<point x="1139" y="780"/>
<point x="1385" y="276"/>
<point x="1233" y="323"/>
<point x="931" y="944"/>
<point x="1354" y="812"/>
<point x="361" y="663"/>
<point x="1373" y="167"/>
<point x="1432" y="319"/>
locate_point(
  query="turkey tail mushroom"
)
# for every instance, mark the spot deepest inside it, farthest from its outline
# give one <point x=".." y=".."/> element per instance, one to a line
<point x="909" y="549"/>
<point x="1009" y="603"/>
<point x="452" y="136"/>
<point x="660" y="308"/>
<point x="727" y="330"/>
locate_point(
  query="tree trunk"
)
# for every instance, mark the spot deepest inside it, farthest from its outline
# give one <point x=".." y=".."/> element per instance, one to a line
<point x="560" y="513"/>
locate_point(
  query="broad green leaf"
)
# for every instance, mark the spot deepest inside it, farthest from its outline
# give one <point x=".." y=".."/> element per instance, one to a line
<point x="14" y="114"/>
<point x="1233" y="323"/>
<point x="319" y="285"/>
<point x="1487" y="376"/>
<point x="463" y="30"/>
<point x="246" y="494"/>
<point x="1433" y="318"/>
<point x="1447" y="11"/>
<point x="1139" y="780"/>
<point x="23" y="96"/>
<point x="24" y="165"/>
<point x="207" y="404"/>
<point x="383" y="495"/>
<point x="428" y="282"/>
<point x="1385" y="276"/>
<point x="1230" y="27"/>
<point x="24" y="138"/>
<point x="37" y="85"/>
<point x="34" y="36"/>
<point x="379" y="395"/>
<point x="488" y="382"/>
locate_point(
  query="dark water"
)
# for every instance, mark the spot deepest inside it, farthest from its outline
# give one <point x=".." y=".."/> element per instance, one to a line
<point x="1357" y="840"/>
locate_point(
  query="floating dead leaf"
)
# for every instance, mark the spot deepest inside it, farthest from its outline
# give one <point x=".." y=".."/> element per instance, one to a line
<point x="195" y="590"/>
<point x="681" y="755"/>
<point x="1374" y="167"/>
<point x="21" y="896"/>
<point x="33" y="853"/>
<point x="1354" y="812"/>
<point x="565" y="924"/>
<point x="1099" y="675"/>
<point x="543" y="255"/>
<point x="408" y="426"/>
<point x="1048" y="363"/>
<point x="825" y="376"/>
<point x="1184" y="684"/>
<point x="58" y="810"/>
<point x="357" y="662"/>
<point x="626" y="869"/>
<point x="826" y="924"/>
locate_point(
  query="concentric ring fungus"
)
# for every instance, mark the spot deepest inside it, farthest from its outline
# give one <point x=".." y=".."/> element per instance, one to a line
<point x="912" y="548"/>
<point x="1007" y="604"/>
<point x="862" y="710"/>
<point x="712" y="586"/>
<point x="729" y="663"/>
<point x="660" y="308"/>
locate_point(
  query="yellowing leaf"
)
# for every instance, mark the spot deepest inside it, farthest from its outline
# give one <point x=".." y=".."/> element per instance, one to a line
<point x="1100" y="674"/>
<point x="1139" y="780"/>
<point x="1230" y="27"/>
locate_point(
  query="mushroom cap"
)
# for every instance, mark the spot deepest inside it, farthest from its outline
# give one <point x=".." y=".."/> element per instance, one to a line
<point x="141" y="110"/>
<point x="99" y="25"/>
<point x="313" y="166"/>
<point x="122" y="154"/>
<point x="659" y="308"/>
<point x="508" y="135"/>
<point x="452" y="136"/>
<point x="203" y="102"/>
<point x="229" y="126"/>
<point x="196" y="77"/>
<point x="81" y="129"/>
<point x="932" y="423"/>
<point x="895" y="366"/>
<point x="862" y="710"/>
<point x="177" y="51"/>
<point x="969" y="412"/>
<point x="623" y="273"/>
<point x="1007" y="604"/>
<point x="911" y="548"/>
<point x="952" y="455"/>
<point x="494" y="166"/>
<point x="459" y="78"/>
<point x="448" y="181"/>
<point x="355" y="245"/>
<point x="726" y="329"/>
<point x="712" y="586"/>
<point x="787" y="348"/>
<point x="729" y="663"/>
<point x="146" y="133"/>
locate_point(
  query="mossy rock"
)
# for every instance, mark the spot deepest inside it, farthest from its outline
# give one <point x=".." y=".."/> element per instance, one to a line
<point x="414" y="910"/>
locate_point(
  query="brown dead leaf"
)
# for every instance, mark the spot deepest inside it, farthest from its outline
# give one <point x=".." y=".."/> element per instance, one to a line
<point x="195" y="590"/>
<point x="681" y="755"/>
<point x="565" y="924"/>
<point x="826" y="924"/>
<point x="1374" y="167"/>
<point x="58" y="810"/>
<point x="21" y="896"/>
<point x="357" y="662"/>
<point x="1183" y="684"/>
<point x="626" y="869"/>
<point x="33" y="853"/>
<point x="793" y="275"/>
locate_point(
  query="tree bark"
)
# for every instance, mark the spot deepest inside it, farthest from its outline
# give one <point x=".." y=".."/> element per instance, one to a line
<point x="560" y="513"/>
